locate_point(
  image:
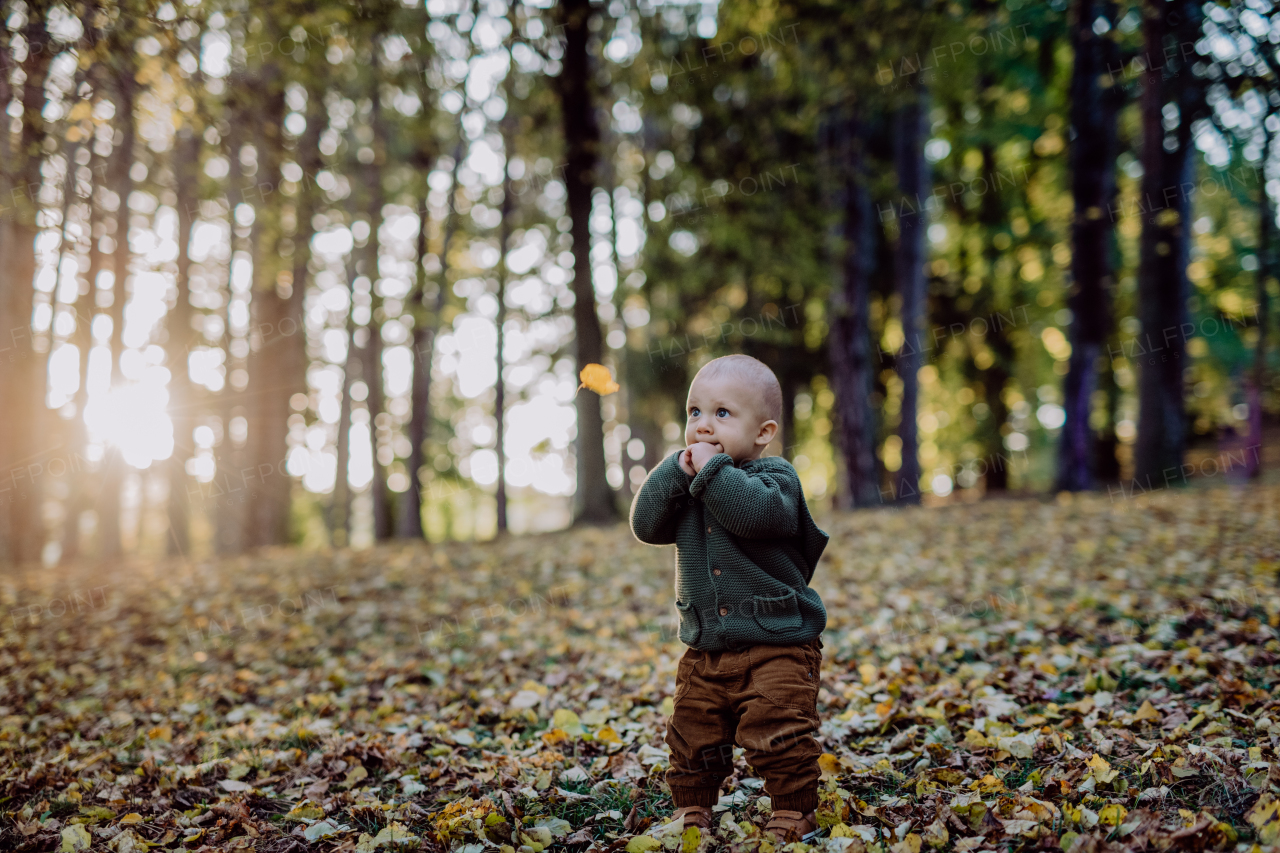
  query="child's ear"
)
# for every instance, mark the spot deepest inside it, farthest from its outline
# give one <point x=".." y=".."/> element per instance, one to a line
<point x="768" y="432"/>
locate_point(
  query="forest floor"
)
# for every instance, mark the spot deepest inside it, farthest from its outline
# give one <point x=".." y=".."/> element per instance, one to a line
<point x="1093" y="674"/>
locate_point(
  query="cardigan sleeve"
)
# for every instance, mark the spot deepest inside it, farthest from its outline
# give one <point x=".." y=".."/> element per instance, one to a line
<point x="759" y="505"/>
<point x="655" y="512"/>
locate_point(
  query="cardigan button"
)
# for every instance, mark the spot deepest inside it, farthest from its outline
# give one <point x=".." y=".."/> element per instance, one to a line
<point x="708" y="528"/>
<point x="715" y="572"/>
<point x="724" y="611"/>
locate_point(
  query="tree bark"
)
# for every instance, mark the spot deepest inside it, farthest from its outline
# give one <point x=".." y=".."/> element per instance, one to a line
<point x="910" y="131"/>
<point x="1093" y="156"/>
<point x="83" y="340"/>
<point x="1266" y="273"/>
<point x="113" y="468"/>
<point x="1164" y="245"/>
<point x="850" y="337"/>
<point x="995" y="376"/>
<point x="500" y="386"/>
<point x="371" y="354"/>
<point x="409" y="525"/>
<point x="340" y="511"/>
<point x="23" y="434"/>
<point x="182" y="339"/>
<point x="277" y="359"/>
<point x="593" y="499"/>
<point x="228" y="489"/>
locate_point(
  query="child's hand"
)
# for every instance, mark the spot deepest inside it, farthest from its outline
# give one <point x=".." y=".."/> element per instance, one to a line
<point x="700" y="453"/>
<point x="686" y="462"/>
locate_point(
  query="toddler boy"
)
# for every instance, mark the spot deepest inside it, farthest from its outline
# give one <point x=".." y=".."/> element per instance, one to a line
<point x="746" y="548"/>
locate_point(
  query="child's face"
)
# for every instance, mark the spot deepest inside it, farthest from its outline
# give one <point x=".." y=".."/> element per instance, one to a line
<point x="721" y="411"/>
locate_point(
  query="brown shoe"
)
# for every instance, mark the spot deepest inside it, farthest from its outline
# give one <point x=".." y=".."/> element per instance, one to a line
<point x="699" y="816"/>
<point x="787" y="826"/>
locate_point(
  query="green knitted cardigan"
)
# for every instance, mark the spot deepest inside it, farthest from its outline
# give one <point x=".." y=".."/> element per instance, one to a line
<point x="746" y="549"/>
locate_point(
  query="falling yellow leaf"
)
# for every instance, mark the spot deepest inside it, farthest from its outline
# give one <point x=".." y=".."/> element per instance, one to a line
<point x="597" y="378"/>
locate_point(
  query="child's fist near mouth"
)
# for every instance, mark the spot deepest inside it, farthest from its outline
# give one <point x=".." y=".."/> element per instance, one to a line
<point x="696" y="455"/>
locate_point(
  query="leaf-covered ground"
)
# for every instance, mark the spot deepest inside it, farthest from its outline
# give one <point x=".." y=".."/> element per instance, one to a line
<point x="1011" y="675"/>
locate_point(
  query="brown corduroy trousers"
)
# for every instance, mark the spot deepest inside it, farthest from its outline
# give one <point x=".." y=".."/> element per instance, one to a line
<point x="763" y="699"/>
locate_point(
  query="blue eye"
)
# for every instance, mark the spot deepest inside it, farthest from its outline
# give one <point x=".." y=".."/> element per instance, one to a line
<point x="722" y="412"/>
<point x="694" y="412"/>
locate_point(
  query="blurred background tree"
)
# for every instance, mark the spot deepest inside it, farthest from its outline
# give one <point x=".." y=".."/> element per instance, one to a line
<point x="327" y="274"/>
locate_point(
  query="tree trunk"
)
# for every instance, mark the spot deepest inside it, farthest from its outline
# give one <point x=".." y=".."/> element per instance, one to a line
<point x="850" y="339"/>
<point x="995" y="376"/>
<point x="78" y="478"/>
<point x="277" y="356"/>
<point x="23" y="436"/>
<point x="410" y="521"/>
<point x="340" y="512"/>
<point x="1164" y="245"/>
<point x="182" y="338"/>
<point x="372" y="352"/>
<point x="113" y="466"/>
<point x="228" y="488"/>
<point x="1266" y="274"/>
<point x="1093" y="156"/>
<point x="593" y="499"/>
<point x="910" y="131"/>
<point x="500" y="386"/>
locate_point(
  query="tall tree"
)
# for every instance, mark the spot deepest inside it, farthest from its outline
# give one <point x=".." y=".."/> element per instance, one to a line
<point x="852" y="368"/>
<point x="120" y="180"/>
<point x="593" y="499"/>
<point x="22" y="379"/>
<point x="1096" y="98"/>
<point x="500" y="386"/>
<point x="182" y="339"/>
<point x="1170" y="88"/>
<point x="371" y="353"/>
<point x="910" y="132"/>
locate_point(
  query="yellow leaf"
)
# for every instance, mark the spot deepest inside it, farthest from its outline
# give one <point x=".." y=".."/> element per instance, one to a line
<point x="1265" y="819"/>
<point x="868" y="673"/>
<point x="1146" y="712"/>
<point x="936" y="835"/>
<point x="642" y="843"/>
<point x="975" y="739"/>
<point x="75" y="837"/>
<point x="606" y="734"/>
<point x="354" y="775"/>
<point x="829" y="765"/>
<point x="1112" y="814"/>
<point x="1098" y="764"/>
<point x="910" y="844"/>
<point x="690" y="839"/>
<point x="305" y="811"/>
<point x="597" y="377"/>
<point x="555" y="737"/>
<point x="131" y="818"/>
<point x="128" y="842"/>
<point x="567" y="720"/>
